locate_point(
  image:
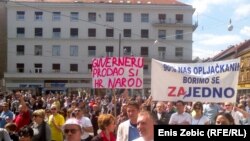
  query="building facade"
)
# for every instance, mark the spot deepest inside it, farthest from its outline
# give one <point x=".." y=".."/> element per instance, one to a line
<point x="51" y="42"/>
<point x="242" y="51"/>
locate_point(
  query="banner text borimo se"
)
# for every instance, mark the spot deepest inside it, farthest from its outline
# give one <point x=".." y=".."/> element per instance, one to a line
<point x="117" y="72"/>
<point x="205" y="82"/>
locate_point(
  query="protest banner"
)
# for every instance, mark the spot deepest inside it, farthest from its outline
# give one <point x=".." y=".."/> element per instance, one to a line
<point x="205" y="82"/>
<point x="117" y="72"/>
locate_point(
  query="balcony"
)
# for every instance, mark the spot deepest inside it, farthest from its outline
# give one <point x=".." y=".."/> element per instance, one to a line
<point x="165" y="23"/>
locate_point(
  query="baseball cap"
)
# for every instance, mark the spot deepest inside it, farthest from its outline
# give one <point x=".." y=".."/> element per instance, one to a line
<point x="73" y="121"/>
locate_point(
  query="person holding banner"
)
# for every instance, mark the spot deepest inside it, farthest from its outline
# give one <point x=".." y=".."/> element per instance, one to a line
<point x="180" y="117"/>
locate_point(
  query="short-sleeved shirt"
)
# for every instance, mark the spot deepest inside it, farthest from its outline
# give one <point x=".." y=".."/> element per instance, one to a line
<point x="177" y="118"/>
<point x="3" y="116"/>
<point x="56" y="134"/>
<point x="22" y="119"/>
<point x="85" y="122"/>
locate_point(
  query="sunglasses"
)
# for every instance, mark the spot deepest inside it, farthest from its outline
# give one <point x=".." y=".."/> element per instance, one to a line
<point x="76" y="110"/>
<point x="35" y="115"/>
<point x="53" y="109"/>
<point x="73" y="131"/>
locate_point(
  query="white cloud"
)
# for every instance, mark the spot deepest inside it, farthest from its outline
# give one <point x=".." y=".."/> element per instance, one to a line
<point x="245" y="31"/>
<point x="203" y="6"/>
<point x="242" y="11"/>
<point x="208" y="45"/>
<point x="212" y="39"/>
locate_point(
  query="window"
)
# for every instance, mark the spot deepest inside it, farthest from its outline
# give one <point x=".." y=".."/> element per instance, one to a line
<point x="56" y="50"/>
<point x="38" y="68"/>
<point x="38" y="50"/>
<point x="89" y="68"/>
<point x="144" y="17"/>
<point x="179" y="51"/>
<point x="20" y="31"/>
<point x="144" y="33"/>
<point x="73" y="50"/>
<point x="20" y="50"/>
<point x="20" y="67"/>
<point x="74" y="16"/>
<point x="162" y="52"/>
<point x="91" y="32"/>
<point x="109" y="51"/>
<point x="162" y="34"/>
<point x="109" y="32"/>
<point x="127" y="17"/>
<point x="91" y="50"/>
<point x="56" y="16"/>
<point x="92" y="17"/>
<point x="179" y="35"/>
<point x="38" y="32"/>
<point x="144" y="51"/>
<point x="127" y="51"/>
<point x="56" y="67"/>
<point x="127" y="32"/>
<point x="38" y="16"/>
<point x="20" y="15"/>
<point x="145" y="69"/>
<point x="179" y="18"/>
<point x="73" y="67"/>
<point x="73" y="32"/>
<point x="56" y="32"/>
<point x="109" y="17"/>
<point x="162" y="18"/>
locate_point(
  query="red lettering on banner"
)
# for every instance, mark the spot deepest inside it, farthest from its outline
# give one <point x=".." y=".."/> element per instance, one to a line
<point x="124" y="82"/>
<point x="98" y="83"/>
<point x="181" y="91"/>
<point x="118" y="61"/>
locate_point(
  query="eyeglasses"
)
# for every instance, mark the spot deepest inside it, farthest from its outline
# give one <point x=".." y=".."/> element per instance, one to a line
<point x="73" y="131"/>
<point x="53" y="109"/>
<point x="227" y="105"/>
<point x="197" y="108"/>
<point x="36" y="116"/>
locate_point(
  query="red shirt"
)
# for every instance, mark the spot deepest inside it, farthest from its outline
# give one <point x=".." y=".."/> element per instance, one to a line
<point x="104" y="138"/>
<point x="22" y="119"/>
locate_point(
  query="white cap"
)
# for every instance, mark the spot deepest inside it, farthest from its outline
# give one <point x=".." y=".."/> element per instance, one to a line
<point x="73" y="121"/>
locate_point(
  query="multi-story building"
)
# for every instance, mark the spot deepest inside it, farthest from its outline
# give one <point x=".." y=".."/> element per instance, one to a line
<point x="51" y="42"/>
<point x="242" y="51"/>
<point x="3" y="44"/>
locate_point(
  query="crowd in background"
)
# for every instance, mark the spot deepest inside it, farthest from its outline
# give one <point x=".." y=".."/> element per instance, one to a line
<point x="85" y="117"/>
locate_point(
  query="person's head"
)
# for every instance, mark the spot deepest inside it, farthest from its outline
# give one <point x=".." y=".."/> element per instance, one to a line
<point x="25" y="134"/>
<point x="180" y="106"/>
<point x="78" y="112"/>
<point x="228" y="106"/>
<point x="133" y="110"/>
<point x="5" y="106"/>
<point x="224" y="118"/>
<point x="10" y="127"/>
<point x="145" y="125"/>
<point x="53" y="109"/>
<point x="72" y="130"/>
<point x="198" y="107"/>
<point x="160" y="108"/>
<point x="38" y="116"/>
<point x="106" y="122"/>
<point x="170" y="105"/>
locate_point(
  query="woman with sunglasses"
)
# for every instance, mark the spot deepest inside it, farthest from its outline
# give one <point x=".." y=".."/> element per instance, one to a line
<point x="25" y="134"/>
<point x="72" y="130"/>
<point x="198" y="118"/>
<point x="41" y="128"/>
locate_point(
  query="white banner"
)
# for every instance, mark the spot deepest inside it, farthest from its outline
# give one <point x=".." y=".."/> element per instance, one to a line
<point x="205" y="82"/>
<point x="117" y="72"/>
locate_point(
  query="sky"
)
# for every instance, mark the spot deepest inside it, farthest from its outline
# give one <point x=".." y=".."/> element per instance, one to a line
<point x="212" y="35"/>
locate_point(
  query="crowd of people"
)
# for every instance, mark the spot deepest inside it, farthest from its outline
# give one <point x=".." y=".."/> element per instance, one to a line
<point x="85" y="117"/>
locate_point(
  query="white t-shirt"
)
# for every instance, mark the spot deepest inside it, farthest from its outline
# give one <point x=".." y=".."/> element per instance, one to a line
<point x="200" y="121"/>
<point x="85" y="122"/>
<point x="177" y="118"/>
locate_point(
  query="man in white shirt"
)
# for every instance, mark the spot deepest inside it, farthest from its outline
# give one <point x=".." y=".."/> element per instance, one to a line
<point x="180" y="117"/>
<point x="145" y="125"/>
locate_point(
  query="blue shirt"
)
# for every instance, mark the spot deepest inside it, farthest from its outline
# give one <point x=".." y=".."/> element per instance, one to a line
<point x="3" y="116"/>
<point x="133" y="132"/>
